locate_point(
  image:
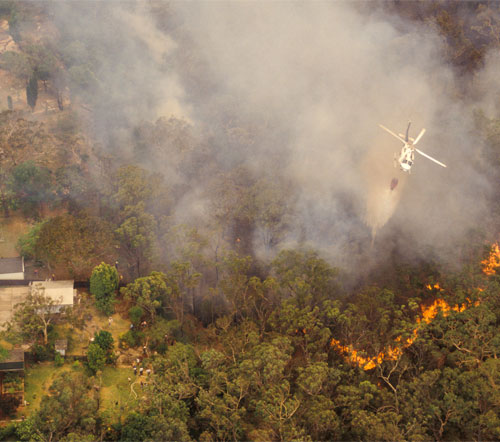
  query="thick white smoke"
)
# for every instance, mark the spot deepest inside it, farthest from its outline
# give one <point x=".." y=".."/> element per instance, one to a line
<point x="305" y="85"/>
<point x="325" y="75"/>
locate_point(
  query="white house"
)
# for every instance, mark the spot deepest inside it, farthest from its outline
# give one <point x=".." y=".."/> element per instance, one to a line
<point x="12" y="294"/>
<point x="60" y="291"/>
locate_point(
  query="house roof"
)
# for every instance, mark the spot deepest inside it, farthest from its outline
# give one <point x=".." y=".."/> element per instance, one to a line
<point x="13" y="361"/>
<point x="11" y="265"/>
<point x="9" y="297"/>
<point x="61" y="344"/>
<point x="60" y="291"/>
<point x="12" y="294"/>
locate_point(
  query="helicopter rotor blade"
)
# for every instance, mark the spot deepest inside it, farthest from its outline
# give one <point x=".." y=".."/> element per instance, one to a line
<point x="422" y="132"/>
<point x="429" y="157"/>
<point x="392" y="133"/>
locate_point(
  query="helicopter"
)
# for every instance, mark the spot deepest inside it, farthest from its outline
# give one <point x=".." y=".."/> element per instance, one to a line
<point x="407" y="154"/>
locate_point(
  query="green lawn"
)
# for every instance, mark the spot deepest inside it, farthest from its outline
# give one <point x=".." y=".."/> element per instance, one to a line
<point x="37" y="381"/>
<point x="116" y="388"/>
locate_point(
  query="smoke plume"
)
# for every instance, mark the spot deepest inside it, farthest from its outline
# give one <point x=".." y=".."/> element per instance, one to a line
<point x="304" y="85"/>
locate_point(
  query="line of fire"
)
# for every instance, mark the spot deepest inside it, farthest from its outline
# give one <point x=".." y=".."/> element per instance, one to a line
<point x="355" y="357"/>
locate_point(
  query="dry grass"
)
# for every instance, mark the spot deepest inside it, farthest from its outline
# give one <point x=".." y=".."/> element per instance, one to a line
<point x="10" y="230"/>
<point x="93" y="322"/>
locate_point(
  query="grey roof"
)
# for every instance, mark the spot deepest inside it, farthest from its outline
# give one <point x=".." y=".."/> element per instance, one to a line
<point x="61" y="344"/>
<point x="14" y="361"/>
<point x="11" y="265"/>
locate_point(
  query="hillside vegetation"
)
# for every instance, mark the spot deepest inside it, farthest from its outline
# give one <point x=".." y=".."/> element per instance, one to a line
<point x="210" y="313"/>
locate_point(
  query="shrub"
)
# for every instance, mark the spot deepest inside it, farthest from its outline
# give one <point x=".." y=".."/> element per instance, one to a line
<point x="58" y="360"/>
<point x="9" y="404"/>
<point x="135" y="314"/>
<point x="96" y="358"/>
<point x="104" y="339"/>
<point x="103" y="283"/>
<point x="130" y="339"/>
<point x="43" y="352"/>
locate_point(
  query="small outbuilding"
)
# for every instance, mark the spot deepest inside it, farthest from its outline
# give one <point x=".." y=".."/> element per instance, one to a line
<point x="12" y="268"/>
<point x="61" y="345"/>
<point x="13" y="362"/>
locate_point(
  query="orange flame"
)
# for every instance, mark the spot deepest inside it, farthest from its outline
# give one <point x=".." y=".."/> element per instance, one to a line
<point x="491" y="263"/>
<point x="428" y="314"/>
<point x="392" y="353"/>
<point x="435" y="286"/>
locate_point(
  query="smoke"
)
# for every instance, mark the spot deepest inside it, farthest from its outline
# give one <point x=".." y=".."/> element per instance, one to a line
<point x="326" y="74"/>
<point x="305" y="85"/>
<point x="117" y="63"/>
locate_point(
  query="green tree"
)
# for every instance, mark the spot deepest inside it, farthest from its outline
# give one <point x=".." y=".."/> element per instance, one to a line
<point x="171" y="424"/>
<point x="33" y="316"/>
<point x="132" y="186"/>
<point x="148" y="293"/>
<point x="70" y="407"/>
<point x="32" y="92"/>
<point x="305" y="276"/>
<point x="234" y="283"/>
<point x="7" y="200"/>
<point x="174" y="375"/>
<point x="272" y="200"/>
<point x="181" y="280"/>
<point x="75" y="244"/>
<point x="162" y="333"/>
<point x="137" y="426"/>
<point x="135" y="314"/>
<point x="137" y="237"/>
<point x="43" y="62"/>
<point x="222" y="402"/>
<point x="26" y="244"/>
<point x="17" y="63"/>
<point x="103" y="284"/>
<point x="136" y="196"/>
<point x="31" y="186"/>
<point x="71" y="181"/>
<point x="96" y="357"/>
<point x="104" y="339"/>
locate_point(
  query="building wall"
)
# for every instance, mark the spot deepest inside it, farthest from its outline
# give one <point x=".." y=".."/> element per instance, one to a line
<point x="19" y="275"/>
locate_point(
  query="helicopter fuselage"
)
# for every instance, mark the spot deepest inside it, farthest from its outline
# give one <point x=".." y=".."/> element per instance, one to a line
<point x="407" y="154"/>
<point x="406" y="157"/>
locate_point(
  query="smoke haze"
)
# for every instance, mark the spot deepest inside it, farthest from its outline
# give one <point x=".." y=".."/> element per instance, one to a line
<point x="305" y="87"/>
